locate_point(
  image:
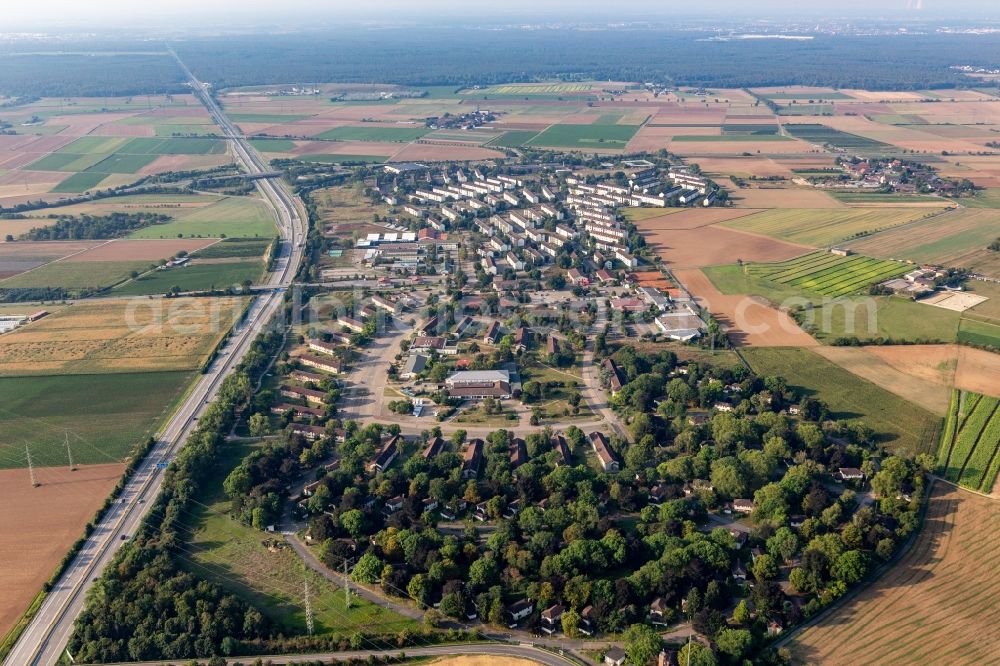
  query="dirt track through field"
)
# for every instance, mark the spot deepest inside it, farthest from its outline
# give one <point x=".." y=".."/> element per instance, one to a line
<point x="38" y="526"/>
<point x="748" y="321"/>
<point x="935" y="606"/>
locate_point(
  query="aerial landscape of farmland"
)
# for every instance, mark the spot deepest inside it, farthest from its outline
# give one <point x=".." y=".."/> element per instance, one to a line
<point x="564" y="335"/>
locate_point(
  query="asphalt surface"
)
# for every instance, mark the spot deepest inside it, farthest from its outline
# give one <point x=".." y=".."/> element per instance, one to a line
<point x="492" y="649"/>
<point x="44" y="640"/>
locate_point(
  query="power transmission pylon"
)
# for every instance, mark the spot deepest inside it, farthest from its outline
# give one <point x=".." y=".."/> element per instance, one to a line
<point x="309" y="612"/>
<point x="347" y="587"/>
<point x="31" y="468"/>
<point x="69" y="454"/>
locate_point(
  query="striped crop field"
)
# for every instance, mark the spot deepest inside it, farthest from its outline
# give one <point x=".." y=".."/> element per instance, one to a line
<point x="822" y="227"/>
<point x="828" y="274"/>
<point x="968" y="454"/>
<point x="935" y="606"/>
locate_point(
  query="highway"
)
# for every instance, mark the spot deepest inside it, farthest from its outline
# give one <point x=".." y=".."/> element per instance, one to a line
<point x="43" y="642"/>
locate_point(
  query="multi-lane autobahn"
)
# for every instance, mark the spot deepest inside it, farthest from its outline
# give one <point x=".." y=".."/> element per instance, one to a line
<point x="44" y="640"/>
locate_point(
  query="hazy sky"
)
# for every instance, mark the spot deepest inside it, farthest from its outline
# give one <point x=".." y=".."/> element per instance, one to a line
<point x="56" y="12"/>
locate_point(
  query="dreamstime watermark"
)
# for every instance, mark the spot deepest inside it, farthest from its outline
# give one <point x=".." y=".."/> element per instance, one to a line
<point x="431" y="312"/>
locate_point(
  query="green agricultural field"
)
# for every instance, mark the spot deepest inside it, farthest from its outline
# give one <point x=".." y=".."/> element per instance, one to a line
<point x="328" y="158"/>
<point x="373" y="133"/>
<point x="585" y="136"/>
<point x="222" y="550"/>
<point x="80" y="182"/>
<point x="233" y="247"/>
<point x="968" y="454"/>
<point x="989" y="198"/>
<point x="87" y="145"/>
<point x="735" y="279"/>
<point x="822" y="227"/>
<point x="954" y="238"/>
<point x="901" y="425"/>
<point x="166" y="131"/>
<point x="122" y="163"/>
<point x="68" y="162"/>
<point x="194" y="277"/>
<point x="730" y="137"/>
<point x="73" y="275"/>
<point x="828" y="274"/>
<point x="979" y="333"/>
<point x="234" y="217"/>
<point x="537" y="89"/>
<point x="893" y="317"/>
<point x="174" y="146"/>
<point x="749" y="128"/>
<point x="273" y="145"/>
<point x="274" y="118"/>
<point x="513" y="139"/>
<point x="105" y="416"/>
<point x="823" y="135"/>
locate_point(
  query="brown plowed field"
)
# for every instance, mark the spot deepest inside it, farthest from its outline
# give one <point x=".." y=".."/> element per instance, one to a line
<point x="142" y="250"/>
<point x="936" y="606"/>
<point x="688" y="218"/>
<point x="978" y="371"/>
<point x="113" y="129"/>
<point x="748" y="321"/>
<point x="762" y="167"/>
<point x="712" y="246"/>
<point x="38" y="526"/>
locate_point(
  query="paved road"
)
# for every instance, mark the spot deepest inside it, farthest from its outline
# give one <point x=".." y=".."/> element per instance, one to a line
<point x="44" y="640"/>
<point x="492" y="649"/>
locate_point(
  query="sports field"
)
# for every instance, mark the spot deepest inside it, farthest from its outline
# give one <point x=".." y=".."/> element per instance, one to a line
<point x="828" y="274"/>
<point x="614" y="137"/>
<point x="104" y="416"/>
<point x="933" y="607"/>
<point x="968" y="453"/>
<point x="822" y="227"/>
<point x="901" y="425"/>
<point x="119" y="336"/>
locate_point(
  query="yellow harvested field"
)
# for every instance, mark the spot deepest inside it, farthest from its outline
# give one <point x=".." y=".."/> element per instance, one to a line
<point x="819" y="227"/>
<point x="920" y="376"/>
<point x="943" y="591"/>
<point x="782" y="198"/>
<point x="744" y="167"/>
<point x="120" y="335"/>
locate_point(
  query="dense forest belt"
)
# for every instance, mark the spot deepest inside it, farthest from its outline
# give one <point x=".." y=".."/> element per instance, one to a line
<point x="459" y="58"/>
<point x="94" y="227"/>
<point x="451" y="57"/>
